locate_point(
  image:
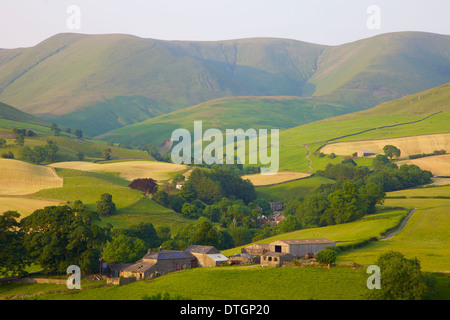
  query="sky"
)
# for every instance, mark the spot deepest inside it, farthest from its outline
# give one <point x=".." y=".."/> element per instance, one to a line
<point x="25" y="23"/>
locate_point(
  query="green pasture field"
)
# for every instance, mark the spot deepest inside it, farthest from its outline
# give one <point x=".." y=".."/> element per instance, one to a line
<point x="231" y="283"/>
<point x="343" y="234"/>
<point x="425" y="236"/>
<point x="292" y="189"/>
<point x="132" y="206"/>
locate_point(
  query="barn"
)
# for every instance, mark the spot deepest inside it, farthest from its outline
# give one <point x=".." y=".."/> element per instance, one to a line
<point x="207" y="256"/>
<point x="300" y="247"/>
<point x="275" y="259"/>
<point x="154" y="264"/>
<point x="363" y="153"/>
<point x="256" y="249"/>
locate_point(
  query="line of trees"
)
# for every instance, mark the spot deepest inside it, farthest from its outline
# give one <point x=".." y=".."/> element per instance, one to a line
<point x="39" y="154"/>
<point x="356" y="191"/>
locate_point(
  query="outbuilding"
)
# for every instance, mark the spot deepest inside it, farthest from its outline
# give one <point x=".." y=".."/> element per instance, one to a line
<point x="300" y="247"/>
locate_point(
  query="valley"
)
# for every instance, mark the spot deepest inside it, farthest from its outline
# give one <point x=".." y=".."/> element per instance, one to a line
<point x="97" y="120"/>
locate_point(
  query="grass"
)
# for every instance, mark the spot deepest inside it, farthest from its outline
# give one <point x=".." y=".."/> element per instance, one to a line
<point x="425" y="236"/>
<point x="292" y="189"/>
<point x="229" y="113"/>
<point x="343" y="234"/>
<point x="225" y="283"/>
<point x="132" y="206"/>
<point x="146" y="210"/>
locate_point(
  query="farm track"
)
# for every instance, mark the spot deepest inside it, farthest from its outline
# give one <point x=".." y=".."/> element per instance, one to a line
<point x="402" y="225"/>
<point x="308" y="158"/>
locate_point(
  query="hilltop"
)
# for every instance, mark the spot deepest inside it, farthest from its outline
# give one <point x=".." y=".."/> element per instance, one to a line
<point x="103" y="82"/>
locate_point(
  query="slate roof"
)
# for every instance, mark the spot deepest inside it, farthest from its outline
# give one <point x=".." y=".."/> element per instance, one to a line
<point x="305" y="241"/>
<point x="168" y="255"/>
<point x="140" y="266"/>
<point x="201" y="249"/>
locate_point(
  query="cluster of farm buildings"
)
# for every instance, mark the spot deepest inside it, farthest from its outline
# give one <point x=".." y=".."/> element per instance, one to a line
<point x="161" y="262"/>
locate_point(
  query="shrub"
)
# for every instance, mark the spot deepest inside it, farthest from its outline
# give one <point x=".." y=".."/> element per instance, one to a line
<point x="327" y="256"/>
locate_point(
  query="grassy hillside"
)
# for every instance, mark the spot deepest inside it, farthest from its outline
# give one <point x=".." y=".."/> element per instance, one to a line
<point x="20" y="178"/>
<point x="292" y="189"/>
<point x="229" y="113"/>
<point x="226" y="283"/>
<point x="78" y="71"/>
<point x="424" y="113"/>
<point x="122" y="79"/>
<point x="425" y="236"/>
<point x="132" y="206"/>
<point x="69" y="146"/>
<point x="9" y="113"/>
<point x="383" y="67"/>
<point x="344" y="234"/>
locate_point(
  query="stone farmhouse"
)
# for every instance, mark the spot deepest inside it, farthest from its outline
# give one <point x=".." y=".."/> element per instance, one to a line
<point x="276" y="253"/>
<point x="161" y="262"/>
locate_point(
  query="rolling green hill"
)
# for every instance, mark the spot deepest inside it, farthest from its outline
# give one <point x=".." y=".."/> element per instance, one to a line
<point x="229" y="113"/>
<point x="426" y="112"/>
<point x="102" y="82"/>
<point x="12" y="114"/>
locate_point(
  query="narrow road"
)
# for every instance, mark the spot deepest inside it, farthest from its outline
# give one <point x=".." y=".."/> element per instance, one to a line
<point x="393" y="233"/>
<point x="308" y="158"/>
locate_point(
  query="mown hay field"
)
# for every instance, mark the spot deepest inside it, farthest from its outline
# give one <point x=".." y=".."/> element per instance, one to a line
<point x="408" y="145"/>
<point x="21" y="178"/>
<point x="24" y="205"/>
<point x="438" y="165"/>
<point x="277" y="178"/>
<point x="128" y="170"/>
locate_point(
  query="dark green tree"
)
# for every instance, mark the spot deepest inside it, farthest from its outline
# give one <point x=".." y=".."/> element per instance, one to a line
<point x="80" y="156"/>
<point x="58" y="236"/>
<point x="123" y="249"/>
<point x="289" y="224"/>
<point x="79" y="133"/>
<point x="327" y="256"/>
<point x="12" y="252"/>
<point x="107" y="154"/>
<point x="55" y="129"/>
<point x="346" y="203"/>
<point x="19" y="139"/>
<point x="105" y="206"/>
<point x="391" y="151"/>
<point x="401" y="278"/>
<point x="146" y="232"/>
